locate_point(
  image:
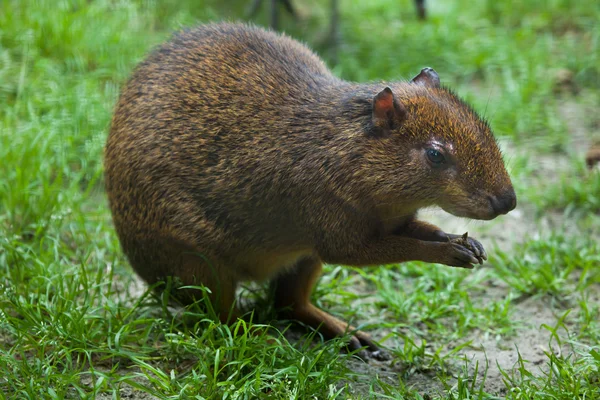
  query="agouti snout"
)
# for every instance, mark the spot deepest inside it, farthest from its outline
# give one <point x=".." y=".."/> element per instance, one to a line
<point x="456" y="150"/>
<point x="234" y="154"/>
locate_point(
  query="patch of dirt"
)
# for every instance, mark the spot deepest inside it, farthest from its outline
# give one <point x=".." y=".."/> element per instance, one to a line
<point x="125" y="391"/>
<point x="582" y="120"/>
<point x="531" y="344"/>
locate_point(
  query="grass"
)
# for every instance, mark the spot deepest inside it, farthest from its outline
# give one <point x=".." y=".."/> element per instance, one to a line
<point x="75" y="323"/>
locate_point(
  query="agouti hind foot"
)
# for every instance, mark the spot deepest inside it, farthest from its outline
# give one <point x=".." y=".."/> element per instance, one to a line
<point x="331" y="327"/>
<point x="292" y="298"/>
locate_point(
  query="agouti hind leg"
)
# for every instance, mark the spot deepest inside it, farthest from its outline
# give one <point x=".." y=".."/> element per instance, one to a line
<point x="292" y="297"/>
<point x="191" y="267"/>
<point x="222" y="289"/>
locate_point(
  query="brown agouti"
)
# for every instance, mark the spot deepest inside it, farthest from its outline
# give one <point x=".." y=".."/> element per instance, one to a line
<point x="234" y="154"/>
<point x="592" y="157"/>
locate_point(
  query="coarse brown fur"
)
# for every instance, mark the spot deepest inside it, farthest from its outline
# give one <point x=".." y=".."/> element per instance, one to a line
<point x="234" y="154"/>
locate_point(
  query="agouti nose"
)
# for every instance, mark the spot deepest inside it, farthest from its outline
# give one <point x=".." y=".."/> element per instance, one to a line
<point x="505" y="202"/>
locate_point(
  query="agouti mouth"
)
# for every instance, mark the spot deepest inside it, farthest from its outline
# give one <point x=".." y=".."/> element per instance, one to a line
<point x="482" y="206"/>
<point x="474" y="212"/>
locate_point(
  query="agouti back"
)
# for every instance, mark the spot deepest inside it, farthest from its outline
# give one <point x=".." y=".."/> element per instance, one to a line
<point x="234" y="154"/>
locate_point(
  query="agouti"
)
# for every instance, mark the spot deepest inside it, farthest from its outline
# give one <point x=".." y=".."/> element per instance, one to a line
<point x="234" y="155"/>
<point x="592" y="157"/>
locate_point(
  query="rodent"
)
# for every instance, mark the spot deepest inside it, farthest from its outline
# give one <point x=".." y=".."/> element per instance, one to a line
<point x="592" y="157"/>
<point x="234" y="154"/>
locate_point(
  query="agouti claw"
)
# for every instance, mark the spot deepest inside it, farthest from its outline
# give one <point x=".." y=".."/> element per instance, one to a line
<point x="472" y="245"/>
<point x="372" y="351"/>
<point x="366" y="355"/>
<point x="478" y="249"/>
<point x="380" y="355"/>
<point x="462" y="255"/>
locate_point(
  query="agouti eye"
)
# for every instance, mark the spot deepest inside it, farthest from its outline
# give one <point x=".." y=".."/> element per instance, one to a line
<point x="435" y="156"/>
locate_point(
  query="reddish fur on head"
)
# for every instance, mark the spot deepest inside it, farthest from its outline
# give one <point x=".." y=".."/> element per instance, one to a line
<point x="471" y="181"/>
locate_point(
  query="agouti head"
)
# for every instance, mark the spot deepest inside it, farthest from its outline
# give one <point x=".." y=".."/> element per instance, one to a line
<point x="453" y="160"/>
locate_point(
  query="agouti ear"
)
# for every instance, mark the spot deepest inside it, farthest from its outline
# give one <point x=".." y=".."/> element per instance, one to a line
<point x="428" y="78"/>
<point x="388" y="113"/>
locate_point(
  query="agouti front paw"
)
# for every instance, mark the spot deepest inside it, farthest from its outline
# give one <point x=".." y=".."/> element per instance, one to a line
<point x="465" y="251"/>
<point x="471" y="244"/>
